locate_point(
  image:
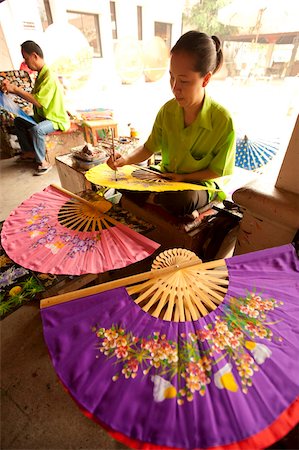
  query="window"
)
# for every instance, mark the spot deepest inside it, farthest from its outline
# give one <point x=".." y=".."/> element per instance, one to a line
<point x="139" y="22"/>
<point x="89" y="25"/>
<point x="164" y="31"/>
<point x="45" y="13"/>
<point x="113" y="20"/>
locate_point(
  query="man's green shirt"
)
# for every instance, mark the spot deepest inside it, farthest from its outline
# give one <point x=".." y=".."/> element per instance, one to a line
<point x="49" y="94"/>
<point x="208" y="143"/>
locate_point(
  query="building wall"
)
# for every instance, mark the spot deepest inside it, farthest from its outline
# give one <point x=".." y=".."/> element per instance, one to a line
<point x="23" y="17"/>
<point x="20" y="21"/>
<point x="6" y="63"/>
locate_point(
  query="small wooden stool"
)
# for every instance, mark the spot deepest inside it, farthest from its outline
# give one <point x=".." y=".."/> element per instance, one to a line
<point x="92" y="126"/>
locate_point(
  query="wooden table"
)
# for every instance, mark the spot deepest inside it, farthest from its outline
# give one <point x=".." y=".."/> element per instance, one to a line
<point x="91" y="128"/>
<point x="71" y="176"/>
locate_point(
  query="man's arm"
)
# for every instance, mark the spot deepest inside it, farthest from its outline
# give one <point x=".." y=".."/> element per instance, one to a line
<point x="13" y="89"/>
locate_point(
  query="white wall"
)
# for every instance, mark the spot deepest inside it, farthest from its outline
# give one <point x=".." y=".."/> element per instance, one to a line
<point x="20" y="21"/>
<point x="22" y="16"/>
<point x="6" y="63"/>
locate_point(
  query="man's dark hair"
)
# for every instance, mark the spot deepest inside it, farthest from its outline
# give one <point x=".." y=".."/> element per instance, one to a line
<point x="31" y="47"/>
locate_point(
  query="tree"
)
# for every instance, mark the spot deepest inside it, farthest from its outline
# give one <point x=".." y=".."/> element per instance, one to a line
<point x="203" y="17"/>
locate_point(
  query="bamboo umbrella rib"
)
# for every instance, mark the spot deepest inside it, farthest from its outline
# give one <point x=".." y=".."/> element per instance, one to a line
<point x="200" y="292"/>
<point x="88" y="224"/>
<point x="211" y="292"/>
<point x="154" y="290"/>
<point x="201" y="281"/>
<point x="180" y="304"/>
<point x="105" y="222"/>
<point x="219" y="270"/>
<point x="175" y="312"/>
<point x="162" y="302"/>
<point x="139" y="287"/>
<point x="198" y="278"/>
<point x="170" y="306"/>
<point x="72" y="204"/>
<point x="78" y="224"/>
<point x="158" y="284"/>
<point x="205" y="276"/>
<point x="190" y="305"/>
<point x="98" y="222"/>
<point x="94" y="225"/>
<point x="190" y="283"/>
<point x="65" y="211"/>
<point x="187" y="314"/>
<point x="176" y="315"/>
<point x="153" y="300"/>
<point x="110" y="219"/>
<point x="144" y="295"/>
<point x="170" y="293"/>
<point x="215" y="286"/>
<point x="72" y="223"/>
<point x="207" y="300"/>
<point x="200" y="306"/>
<point x="68" y="215"/>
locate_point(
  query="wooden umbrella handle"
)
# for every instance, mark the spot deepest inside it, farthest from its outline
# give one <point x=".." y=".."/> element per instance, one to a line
<point x="82" y="200"/>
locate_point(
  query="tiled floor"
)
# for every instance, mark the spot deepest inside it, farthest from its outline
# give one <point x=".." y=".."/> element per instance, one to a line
<point x="36" y="413"/>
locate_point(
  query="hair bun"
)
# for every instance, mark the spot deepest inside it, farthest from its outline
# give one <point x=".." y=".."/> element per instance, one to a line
<point x="217" y="43"/>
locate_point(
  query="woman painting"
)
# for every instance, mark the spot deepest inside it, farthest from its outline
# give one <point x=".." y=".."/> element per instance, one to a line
<point x="194" y="133"/>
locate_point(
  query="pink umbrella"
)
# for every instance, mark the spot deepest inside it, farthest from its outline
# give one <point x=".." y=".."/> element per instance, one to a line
<point x="54" y="233"/>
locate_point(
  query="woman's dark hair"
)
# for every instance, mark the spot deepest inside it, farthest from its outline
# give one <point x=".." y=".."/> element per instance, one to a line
<point x="206" y="50"/>
<point x="31" y="47"/>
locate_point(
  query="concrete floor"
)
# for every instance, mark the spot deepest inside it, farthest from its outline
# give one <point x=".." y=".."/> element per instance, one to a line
<point x="18" y="183"/>
<point x="36" y="413"/>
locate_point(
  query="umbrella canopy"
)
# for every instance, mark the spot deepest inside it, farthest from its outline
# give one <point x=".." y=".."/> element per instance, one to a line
<point x="220" y="380"/>
<point x="253" y="154"/>
<point x="53" y="233"/>
<point x="262" y="16"/>
<point x="128" y="177"/>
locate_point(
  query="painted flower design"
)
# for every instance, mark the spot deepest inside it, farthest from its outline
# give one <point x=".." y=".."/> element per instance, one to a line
<point x="46" y="235"/>
<point x="226" y="352"/>
<point x="260" y="351"/>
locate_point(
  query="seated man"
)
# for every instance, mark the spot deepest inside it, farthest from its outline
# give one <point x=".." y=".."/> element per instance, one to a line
<point x="48" y="106"/>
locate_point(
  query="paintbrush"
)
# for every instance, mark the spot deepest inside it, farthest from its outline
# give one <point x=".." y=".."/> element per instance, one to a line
<point x="113" y="151"/>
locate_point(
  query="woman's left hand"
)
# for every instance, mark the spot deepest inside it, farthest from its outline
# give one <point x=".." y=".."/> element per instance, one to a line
<point x="178" y="177"/>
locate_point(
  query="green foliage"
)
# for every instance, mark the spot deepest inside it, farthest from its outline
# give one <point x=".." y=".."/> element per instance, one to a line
<point x="203" y="17"/>
<point x="8" y="303"/>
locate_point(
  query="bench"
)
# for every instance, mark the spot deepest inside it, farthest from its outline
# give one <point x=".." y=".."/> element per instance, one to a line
<point x="60" y="142"/>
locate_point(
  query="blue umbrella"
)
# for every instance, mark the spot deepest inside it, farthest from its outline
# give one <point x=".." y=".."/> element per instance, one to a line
<point x="253" y="154"/>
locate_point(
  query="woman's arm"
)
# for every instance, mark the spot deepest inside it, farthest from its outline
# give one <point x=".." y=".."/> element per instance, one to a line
<point x="138" y="155"/>
<point x="13" y="89"/>
<point x="200" y="175"/>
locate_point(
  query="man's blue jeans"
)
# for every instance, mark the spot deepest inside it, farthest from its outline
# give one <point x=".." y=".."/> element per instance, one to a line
<point x="32" y="137"/>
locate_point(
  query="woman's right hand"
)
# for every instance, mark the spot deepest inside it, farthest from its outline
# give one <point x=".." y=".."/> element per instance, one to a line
<point x="116" y="161"/>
